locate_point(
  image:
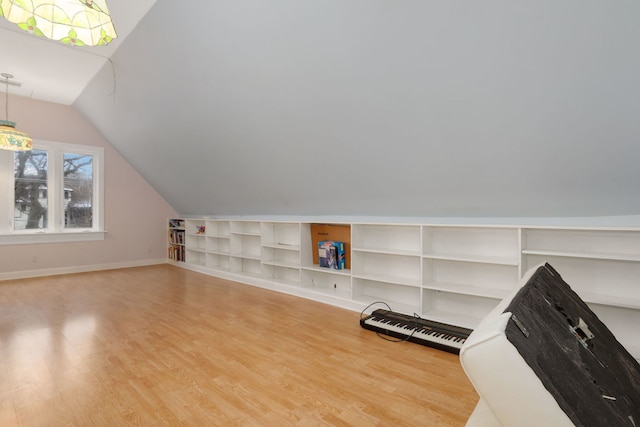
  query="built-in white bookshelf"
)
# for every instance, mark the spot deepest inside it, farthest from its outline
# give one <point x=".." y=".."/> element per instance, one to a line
<point x="449" y="273"/>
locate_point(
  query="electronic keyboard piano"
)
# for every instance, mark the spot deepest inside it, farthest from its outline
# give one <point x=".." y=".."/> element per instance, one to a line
<point x="415" y="329"/>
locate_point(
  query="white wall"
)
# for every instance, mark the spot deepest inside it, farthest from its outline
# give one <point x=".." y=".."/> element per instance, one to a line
<point x="135" y="214"/>
<point x="378" y="107"/>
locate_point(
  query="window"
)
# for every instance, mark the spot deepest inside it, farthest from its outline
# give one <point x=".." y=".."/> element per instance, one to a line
<point x="30" y="172"/>
<point x="54" y="193"/>
<point x="78" y="190"/>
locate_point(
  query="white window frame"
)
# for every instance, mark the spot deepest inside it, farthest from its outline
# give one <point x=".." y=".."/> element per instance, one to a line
<point x="56" y="231"/>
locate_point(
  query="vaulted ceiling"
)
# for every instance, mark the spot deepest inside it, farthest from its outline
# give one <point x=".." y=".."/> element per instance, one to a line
<point x="363" y="107"/>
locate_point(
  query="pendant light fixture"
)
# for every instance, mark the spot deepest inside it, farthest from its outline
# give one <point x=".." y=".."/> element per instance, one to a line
<point x="10" y="138"/>
<point x="72" y="22"/>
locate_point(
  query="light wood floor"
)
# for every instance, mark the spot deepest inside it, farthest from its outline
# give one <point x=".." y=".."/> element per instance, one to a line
<point x="165" y="346"/>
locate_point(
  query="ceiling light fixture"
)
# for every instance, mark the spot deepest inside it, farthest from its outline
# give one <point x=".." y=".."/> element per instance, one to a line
<point x="72" y="22"/>
<point x="10" y="138"/>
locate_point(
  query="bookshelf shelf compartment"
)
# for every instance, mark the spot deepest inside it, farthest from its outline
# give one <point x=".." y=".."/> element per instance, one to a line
<point x="285" y="258"/>
<point x="457" y="309"/>
<point x="285" y="275"/>
<point x="473" y="278"/>
<point x="245" y="227"/>
<point x="401" y="269"/>
<point x="482" y="244"/>
<point x="248" y="266"/>
<point x="176" y="223"/>
<point x="220" y="245"/>
<point x="176" y="241"/>
<point x="195" y="227"/>
<point x="245" y="246"/>
<point x="195" y="257"/>
<point x="388" y="239"/>
<point x="196" y="241"/>
<point x="218" y="229"/>
<point x="404" y="299"/>
<point x="338" y="285"/>
<point x="218" y="261"/>
<point x="281" y="234"/>
<point x="605" y="282"/>
<point x="605" y="244"/>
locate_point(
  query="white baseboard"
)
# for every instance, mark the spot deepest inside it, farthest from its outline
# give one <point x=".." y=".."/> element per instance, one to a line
<point x="78" y="269"/>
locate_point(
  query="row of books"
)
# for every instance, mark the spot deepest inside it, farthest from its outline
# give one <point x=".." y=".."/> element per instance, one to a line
<point x="331" y="254"/>
<point x="176" y="253"/>
<point x="176" y="237"/>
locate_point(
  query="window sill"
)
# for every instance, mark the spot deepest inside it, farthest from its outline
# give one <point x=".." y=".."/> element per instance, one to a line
<point x="36" y="238"/>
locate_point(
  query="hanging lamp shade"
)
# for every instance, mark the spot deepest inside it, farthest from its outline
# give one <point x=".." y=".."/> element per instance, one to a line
<point x="10" y="138"/>
<point x="73" y="22"/>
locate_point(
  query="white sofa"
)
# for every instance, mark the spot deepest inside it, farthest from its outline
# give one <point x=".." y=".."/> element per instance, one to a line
<point x="511" y="394"/>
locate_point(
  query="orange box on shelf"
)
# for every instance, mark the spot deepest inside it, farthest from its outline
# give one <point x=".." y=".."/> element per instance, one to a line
<point x="335" y="232"/>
